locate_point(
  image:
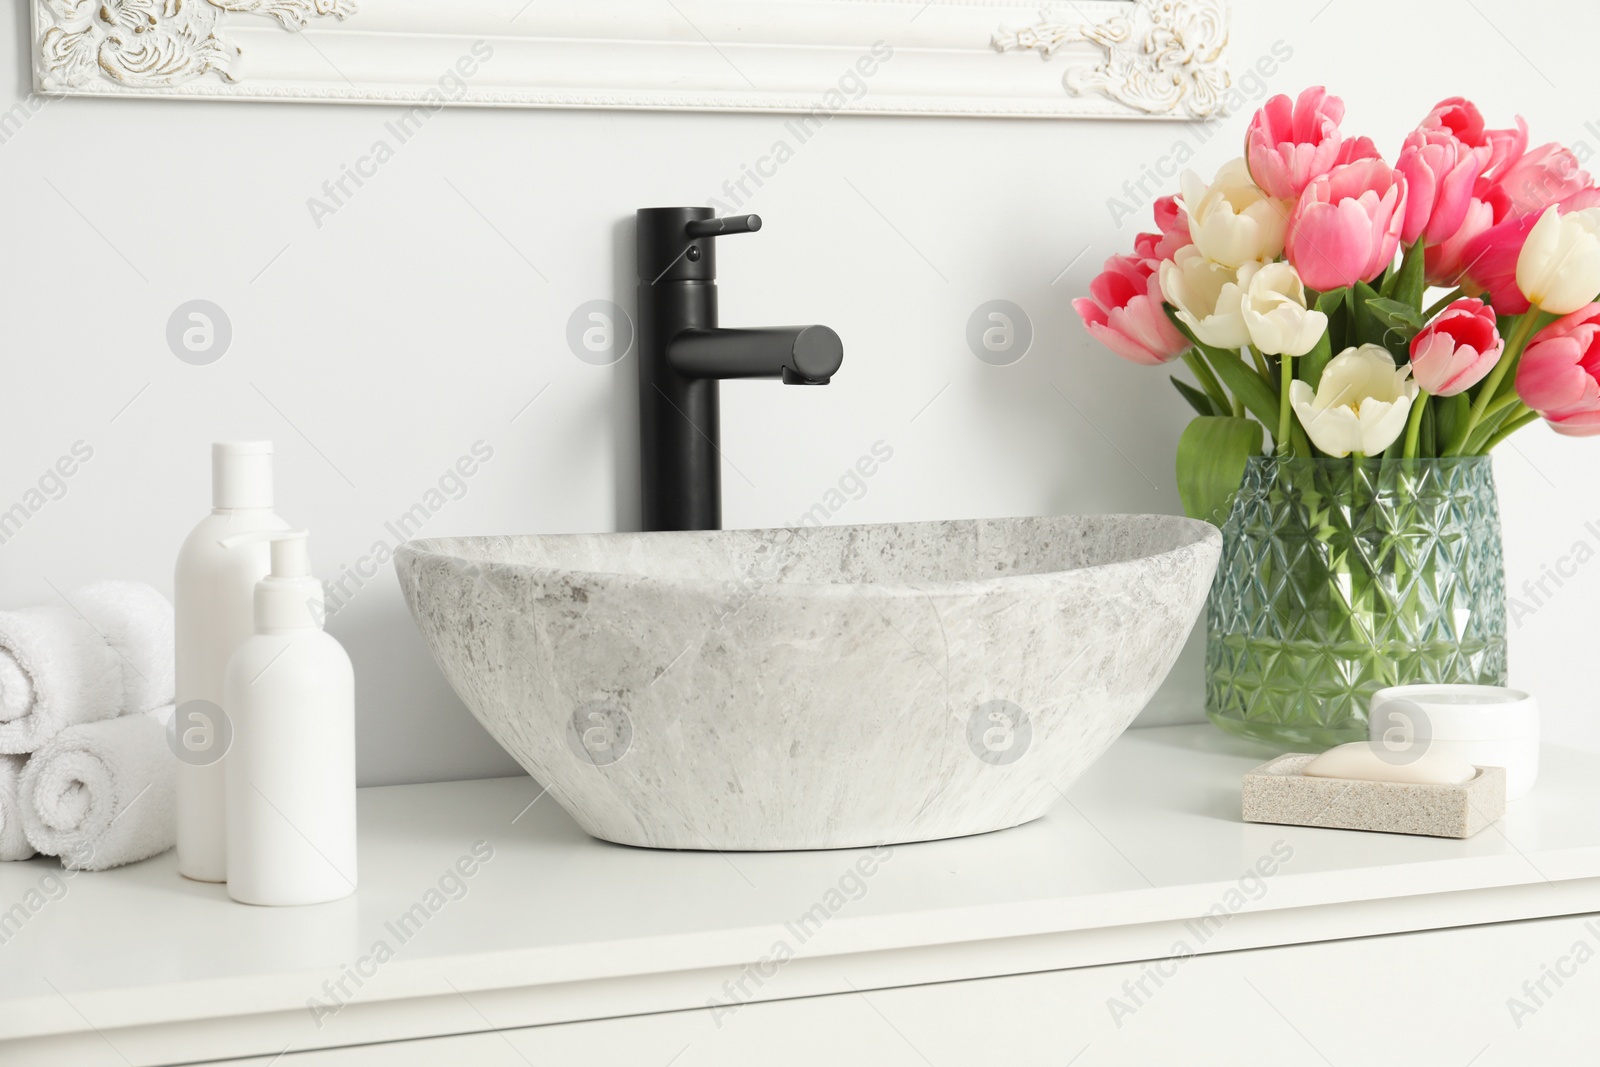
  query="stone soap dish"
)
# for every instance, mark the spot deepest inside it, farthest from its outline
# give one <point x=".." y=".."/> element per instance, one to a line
<point x="1277" y="792"/>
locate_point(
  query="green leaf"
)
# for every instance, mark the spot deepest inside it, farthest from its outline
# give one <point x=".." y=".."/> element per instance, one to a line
<point x="1449" y="413"/>
<point x="1314" y="362"/>
<point x="1208" y="381"/>
<point x="1395" y="313"/>
<point x="1327" y="302"/>
<point x="1387" y="281"/>
<point x="1411" y="282"/>
<point x="1211" y="459"/>
<point x="1251" y="389"/>
<point x="1366" y="329"/>
<point x="1399" y="322"/>
<point x="1201" y="402"/>
<point x="1387" y="323"/>
<point x="1332" y="304"/>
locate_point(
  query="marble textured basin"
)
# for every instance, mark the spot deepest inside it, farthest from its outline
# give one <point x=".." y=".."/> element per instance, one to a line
<point x="815" y="688"/>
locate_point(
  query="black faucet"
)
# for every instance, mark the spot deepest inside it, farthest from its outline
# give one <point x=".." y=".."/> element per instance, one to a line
<point x="683" y="353"/>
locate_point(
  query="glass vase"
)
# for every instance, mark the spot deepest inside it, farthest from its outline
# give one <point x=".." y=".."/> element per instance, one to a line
<point x="1341" y="576"/>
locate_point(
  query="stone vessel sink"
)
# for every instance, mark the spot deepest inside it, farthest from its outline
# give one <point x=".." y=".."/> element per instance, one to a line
<point x="823" y="687"/>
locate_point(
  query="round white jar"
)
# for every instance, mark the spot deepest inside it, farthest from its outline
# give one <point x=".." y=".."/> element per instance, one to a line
<point x="1486" y="725"/>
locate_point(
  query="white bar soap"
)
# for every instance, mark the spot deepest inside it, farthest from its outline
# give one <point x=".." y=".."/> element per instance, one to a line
<point x="1360" y="761"/>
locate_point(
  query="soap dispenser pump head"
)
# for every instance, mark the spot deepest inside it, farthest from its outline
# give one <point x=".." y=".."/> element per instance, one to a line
<point x="291" y="554"/>
<point x="290" y="597"/>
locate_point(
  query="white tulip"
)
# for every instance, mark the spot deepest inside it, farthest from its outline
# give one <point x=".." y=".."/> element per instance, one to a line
<point x="1360" y="405"/>
<point x="1275" y="313"/>
<point x="1208" y="296"/>
<point x="1558" y="268"/>
<point x="1233" y="221"/>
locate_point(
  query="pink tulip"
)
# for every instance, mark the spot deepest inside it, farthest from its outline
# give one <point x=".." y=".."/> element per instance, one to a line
<point x="1462" y="120"/>
<point x="1124" y="311"/>
<point x="1583" y="198"/>
<point x="1446" y="262"/>
<point x="1356" y="148"/>
<point x="1559" y="375"/>
<point x="1488" y="260"/>
<point x="1457" y="349"/>
<point x="1490" y="263"/>
<point x="1441" y="173"/>
<point x="1346" y="226"/>
<point x="1173" y="222"/>
<point x="1288" y="145"/>
<point x="1546" y="175"/>
<point x="1447" y="255"/>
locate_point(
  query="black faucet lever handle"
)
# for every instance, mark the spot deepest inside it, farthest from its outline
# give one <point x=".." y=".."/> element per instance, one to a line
<point x="721" y="227"/>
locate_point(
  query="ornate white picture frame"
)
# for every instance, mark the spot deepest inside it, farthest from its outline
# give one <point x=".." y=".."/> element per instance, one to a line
<point x="1048" y="58"/>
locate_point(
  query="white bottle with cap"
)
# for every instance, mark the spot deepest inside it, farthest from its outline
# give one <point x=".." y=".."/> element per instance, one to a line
<point x="292" y="772"/>
<point x="215" y="593"/>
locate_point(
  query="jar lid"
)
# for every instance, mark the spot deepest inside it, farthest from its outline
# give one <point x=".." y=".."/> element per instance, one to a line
<point x="1453" y="712"/>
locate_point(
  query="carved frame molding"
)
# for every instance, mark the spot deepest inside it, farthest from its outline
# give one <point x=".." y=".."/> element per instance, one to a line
<point x="1067" y="59"/>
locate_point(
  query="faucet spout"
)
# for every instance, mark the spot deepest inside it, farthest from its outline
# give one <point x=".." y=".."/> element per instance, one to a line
<point x="684" y="355"/>
<point x="799" y="355"/>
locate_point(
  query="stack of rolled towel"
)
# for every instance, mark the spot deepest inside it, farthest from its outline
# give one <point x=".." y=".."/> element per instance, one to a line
<point x="86" y="692"/>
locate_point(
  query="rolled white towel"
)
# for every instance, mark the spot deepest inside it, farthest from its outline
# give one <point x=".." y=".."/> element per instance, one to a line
<point x="138" y="623"/>
<point x="13" y="840"/>
<point x="102" y="794"/>
<point x="107" y="652"/>
<point x="54" y="671"/>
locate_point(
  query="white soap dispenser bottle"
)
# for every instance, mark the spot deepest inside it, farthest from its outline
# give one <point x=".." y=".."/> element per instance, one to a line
<point x="291" y="781"/>
<point x="215" y="592"/>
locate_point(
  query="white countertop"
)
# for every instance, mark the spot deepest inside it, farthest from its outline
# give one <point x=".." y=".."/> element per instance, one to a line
<point x="557" y="926"/>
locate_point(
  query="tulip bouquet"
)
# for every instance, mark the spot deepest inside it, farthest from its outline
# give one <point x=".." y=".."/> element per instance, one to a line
<point x="1387" y="326"/>
<point x="1295" y="287"/>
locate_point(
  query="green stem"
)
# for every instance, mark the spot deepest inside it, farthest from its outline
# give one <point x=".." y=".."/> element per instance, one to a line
<point x="1490" y="426"/>
<point x="1414" y="424"/>
<point x="1507" y="430"/>
<point x="1285" y="410"/>
<point x="1261" y="365"/>
<point x="1442" y="303"/>
<point x="1526" y="325"/>
<point x="1208" y="382"/>
<point x="1302" y="443"/>
<point x="1503" y="402"/>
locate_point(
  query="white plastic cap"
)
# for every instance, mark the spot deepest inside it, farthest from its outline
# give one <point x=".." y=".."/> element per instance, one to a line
<point x="289" y="598"/>
<point x="241" y="474"/>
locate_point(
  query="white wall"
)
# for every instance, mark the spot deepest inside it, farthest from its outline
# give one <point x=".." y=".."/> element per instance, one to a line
<point x="427" y="312"/>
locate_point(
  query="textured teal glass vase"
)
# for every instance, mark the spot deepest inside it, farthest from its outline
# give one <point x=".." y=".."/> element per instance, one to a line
<point x="1341" y="576"/>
